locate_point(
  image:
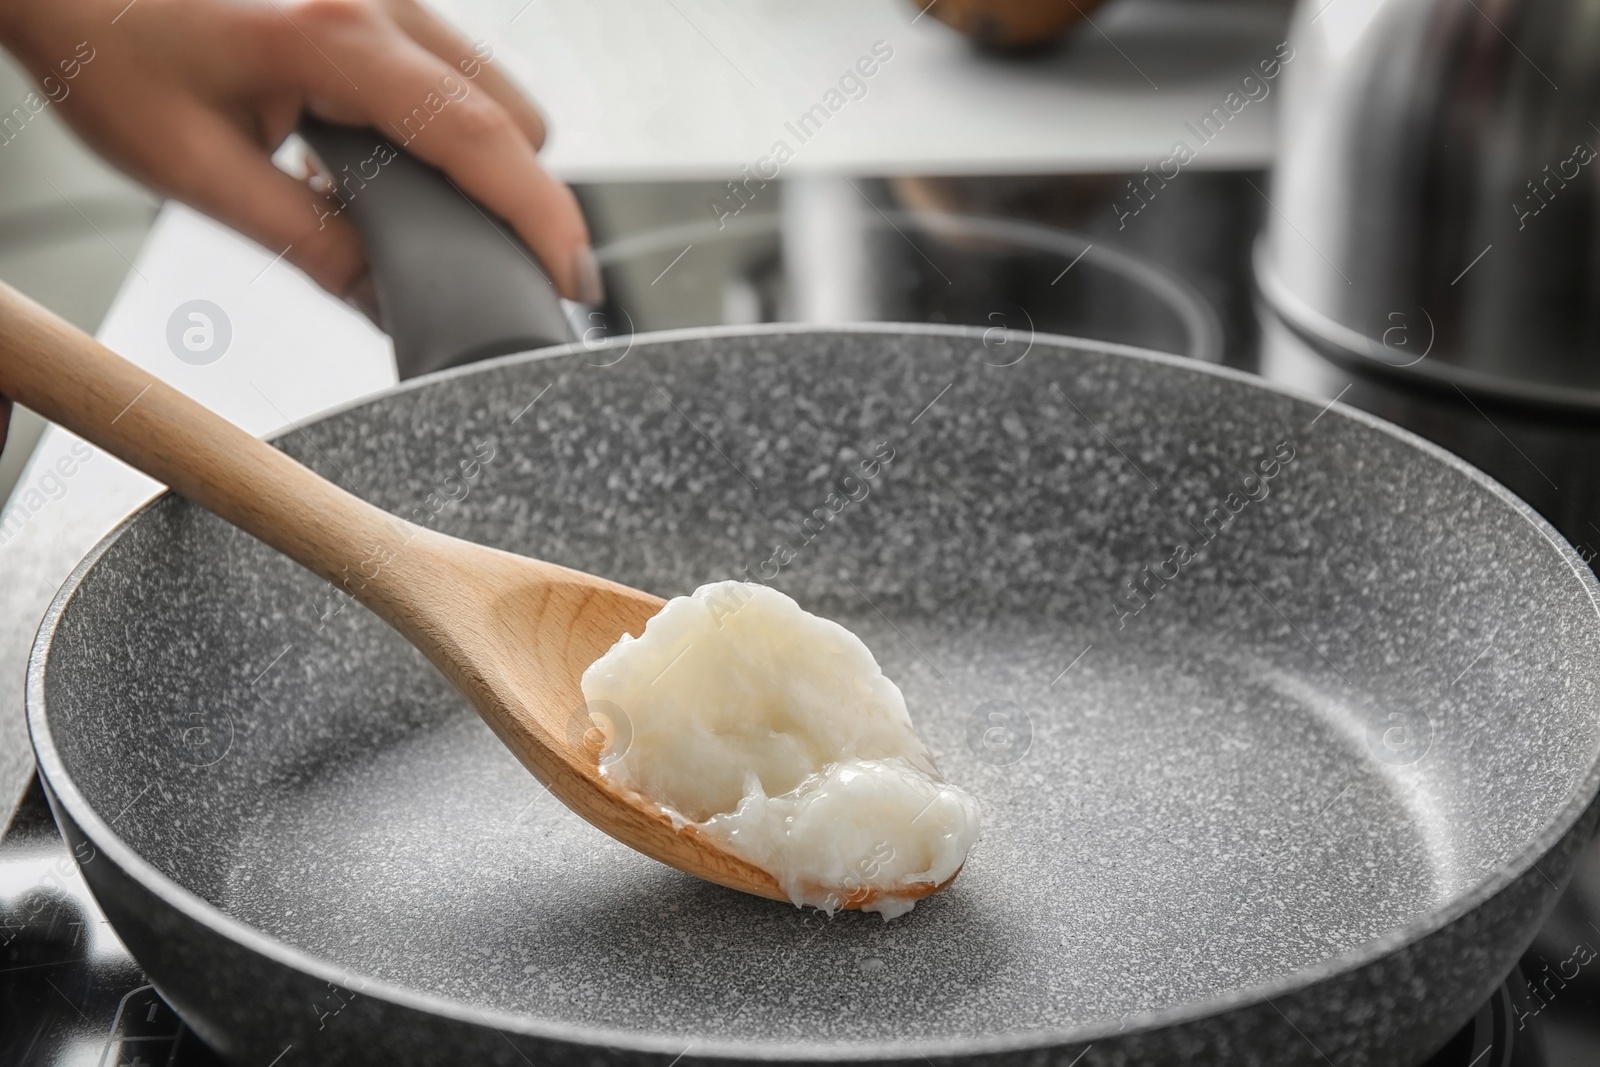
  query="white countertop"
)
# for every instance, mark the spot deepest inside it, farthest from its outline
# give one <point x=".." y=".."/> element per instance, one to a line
<point x="294" y="351"/>
<point x="651" y="89"/>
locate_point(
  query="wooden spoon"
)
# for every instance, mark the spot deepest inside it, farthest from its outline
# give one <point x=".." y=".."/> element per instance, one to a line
<point x="514" y="634"/>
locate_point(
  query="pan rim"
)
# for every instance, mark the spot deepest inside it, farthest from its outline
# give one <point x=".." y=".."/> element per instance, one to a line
<point x="200" y="911"/>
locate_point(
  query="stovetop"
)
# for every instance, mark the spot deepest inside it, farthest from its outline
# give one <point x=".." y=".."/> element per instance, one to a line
<point x="71" y="996"/>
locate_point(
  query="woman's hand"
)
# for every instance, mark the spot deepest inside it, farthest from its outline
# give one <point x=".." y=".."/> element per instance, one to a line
<point x="191" y="97"/>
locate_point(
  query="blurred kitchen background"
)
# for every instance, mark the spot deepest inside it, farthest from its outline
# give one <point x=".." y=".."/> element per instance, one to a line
<point x="1050" y="135"/>
<point x="69" y="229"/>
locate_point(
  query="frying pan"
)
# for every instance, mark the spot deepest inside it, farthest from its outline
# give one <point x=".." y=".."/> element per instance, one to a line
<point x="1285" y="722"/>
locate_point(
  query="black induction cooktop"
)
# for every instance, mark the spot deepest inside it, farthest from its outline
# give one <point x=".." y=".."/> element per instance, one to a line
<point x="71" y="996"/>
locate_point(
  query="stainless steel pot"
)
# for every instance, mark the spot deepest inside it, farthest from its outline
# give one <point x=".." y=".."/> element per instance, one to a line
<point x="1432" y="245"/>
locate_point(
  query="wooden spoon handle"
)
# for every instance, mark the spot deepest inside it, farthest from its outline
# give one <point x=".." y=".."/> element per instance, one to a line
<point x="71" y="379"/>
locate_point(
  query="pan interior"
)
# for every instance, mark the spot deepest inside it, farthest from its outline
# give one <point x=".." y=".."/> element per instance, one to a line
<point x="1367" y="683"/>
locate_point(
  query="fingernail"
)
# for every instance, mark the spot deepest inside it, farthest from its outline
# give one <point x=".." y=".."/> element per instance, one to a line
<point x="363" y="296"/>
<point x="586" y="272"/>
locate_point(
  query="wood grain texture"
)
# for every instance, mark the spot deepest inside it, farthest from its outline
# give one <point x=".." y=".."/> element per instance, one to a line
<point x="513" y="634"/>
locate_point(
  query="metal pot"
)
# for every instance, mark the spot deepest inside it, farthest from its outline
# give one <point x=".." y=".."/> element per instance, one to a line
<point x="1432" y="251"/>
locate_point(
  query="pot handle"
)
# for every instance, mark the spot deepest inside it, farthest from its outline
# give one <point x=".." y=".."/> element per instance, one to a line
<point x="454" y="284"/>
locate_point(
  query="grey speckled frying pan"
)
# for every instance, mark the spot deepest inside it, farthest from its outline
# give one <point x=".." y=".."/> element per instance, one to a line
<point x="1285" y="722"/>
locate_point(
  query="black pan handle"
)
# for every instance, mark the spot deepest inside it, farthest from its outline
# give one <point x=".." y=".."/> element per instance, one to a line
<point x="454" y="284"/>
